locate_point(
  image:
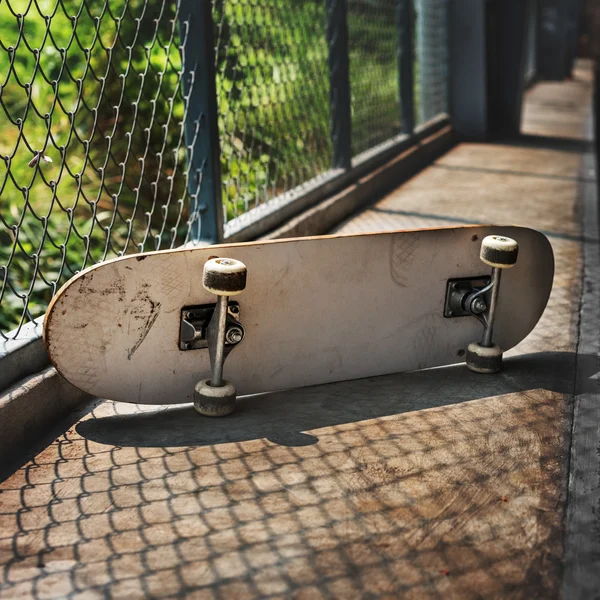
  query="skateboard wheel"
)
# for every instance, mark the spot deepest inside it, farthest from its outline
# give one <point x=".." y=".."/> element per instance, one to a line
<point x="214" y="401"/>
<point x="499" y="251"/>
<point x="224" y="276"/>
<point x="482" y="359"/>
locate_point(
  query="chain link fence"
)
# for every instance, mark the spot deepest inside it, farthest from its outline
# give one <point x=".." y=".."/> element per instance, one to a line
<point x="104" y="148"/>
<point x="93" y="156"/>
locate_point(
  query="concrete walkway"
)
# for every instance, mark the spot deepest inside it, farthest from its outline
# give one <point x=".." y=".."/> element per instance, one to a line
<point x="435" y="484"/>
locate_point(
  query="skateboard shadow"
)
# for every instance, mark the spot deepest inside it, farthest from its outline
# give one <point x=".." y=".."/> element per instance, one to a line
<point x="283" y="417"/>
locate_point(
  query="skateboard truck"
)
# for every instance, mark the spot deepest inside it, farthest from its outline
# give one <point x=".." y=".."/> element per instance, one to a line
<point x="500" y="253"/>
<point x="478" y="297"/>
<point x="224" y="277"/>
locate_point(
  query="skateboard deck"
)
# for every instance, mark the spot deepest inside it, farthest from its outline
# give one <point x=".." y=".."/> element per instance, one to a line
<point x="315" y="310"/>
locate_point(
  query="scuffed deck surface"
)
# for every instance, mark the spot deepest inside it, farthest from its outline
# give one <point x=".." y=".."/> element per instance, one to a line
<point x="423" y="485"/>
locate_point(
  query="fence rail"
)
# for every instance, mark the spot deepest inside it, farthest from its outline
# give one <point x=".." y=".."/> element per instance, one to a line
<point x="133" y="125"/>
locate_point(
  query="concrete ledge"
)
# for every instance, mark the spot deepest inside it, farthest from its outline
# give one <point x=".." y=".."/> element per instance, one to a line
<point x="269" y="216"/>
<point x="32" y="408"/>
<point x="22" y="354"/>
<point x="321" y="218"/>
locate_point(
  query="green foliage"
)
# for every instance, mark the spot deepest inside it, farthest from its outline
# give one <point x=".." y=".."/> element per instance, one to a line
<point x="375" y="101"/>
<point x="273" y="96"/>
<point x="96" y="86"/>
<point x="97" y="89"/>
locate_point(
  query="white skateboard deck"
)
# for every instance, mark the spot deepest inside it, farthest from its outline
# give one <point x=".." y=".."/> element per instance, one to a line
<point x="315" y="310"/>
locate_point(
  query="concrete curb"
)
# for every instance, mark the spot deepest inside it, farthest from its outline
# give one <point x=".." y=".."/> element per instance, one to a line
<point x="323" y="217"/>
<point x="32" y="408"/>
<point x="582" y="545"/>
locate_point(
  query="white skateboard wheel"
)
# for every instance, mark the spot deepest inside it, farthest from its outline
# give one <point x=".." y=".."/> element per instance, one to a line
<point x="214" y="401"/>
<point x="499" y="251"/>
<point x="482" y="359"/>
<point x="224" y="276"/>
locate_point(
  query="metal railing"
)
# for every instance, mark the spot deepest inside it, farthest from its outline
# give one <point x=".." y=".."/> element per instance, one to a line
<point x="133" y="125"/>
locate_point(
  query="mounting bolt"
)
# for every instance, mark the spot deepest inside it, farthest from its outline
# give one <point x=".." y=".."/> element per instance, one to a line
<point x="478" y="306"/>
<point x="234" y="334"/>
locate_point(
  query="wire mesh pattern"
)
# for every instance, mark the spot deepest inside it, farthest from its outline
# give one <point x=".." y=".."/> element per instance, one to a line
<point x="375" y="100"/>
<point x="93" y="158"/>
<point x="431" y="62"/>
<point x="100" y="153"/>
<point x="273" y="90"/>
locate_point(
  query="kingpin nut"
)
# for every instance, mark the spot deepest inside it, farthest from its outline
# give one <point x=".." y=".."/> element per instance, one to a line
<point x="478" y="306"/>
<point x="234" y="334"/>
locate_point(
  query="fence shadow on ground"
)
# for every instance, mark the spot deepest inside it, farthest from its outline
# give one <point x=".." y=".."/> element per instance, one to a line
<point x="439" y="483"/>
<point x="282" y="417"/>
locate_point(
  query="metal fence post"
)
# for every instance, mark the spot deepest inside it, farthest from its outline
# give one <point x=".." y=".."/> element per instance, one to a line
<point x="468" y="76"/>
<point x="552" y="57"/>
<point x="201" y="120"/>
<point x="406" y="64"/>
<point x="507" y="26"/>
<point x="573" y="34"/>
<point x="339" y="83"/>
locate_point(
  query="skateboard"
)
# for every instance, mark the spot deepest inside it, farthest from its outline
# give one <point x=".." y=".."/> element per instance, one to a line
<point x="205" y="324"/>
